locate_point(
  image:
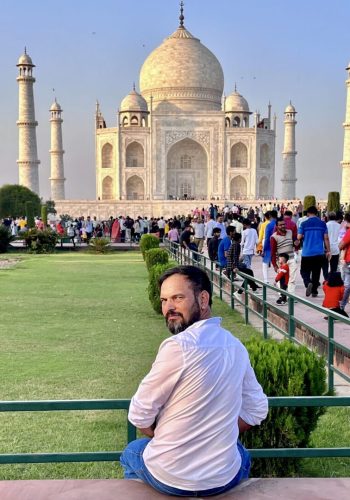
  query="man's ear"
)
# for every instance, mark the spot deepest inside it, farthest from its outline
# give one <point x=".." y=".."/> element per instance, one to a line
<point x="204" y="299"/>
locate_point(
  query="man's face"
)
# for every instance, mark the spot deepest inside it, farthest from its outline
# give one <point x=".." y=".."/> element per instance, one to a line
<point x="180" y="307"/>
<point x="220" y="219"/>
<point x="281" y="227"/>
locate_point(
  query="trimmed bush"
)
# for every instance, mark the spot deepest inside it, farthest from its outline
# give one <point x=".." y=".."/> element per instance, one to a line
<point x="153" y="289"/>
<point x="333" y="204"/>
<point x="44" y="215"/>
<point x="155" y="256"/>
<point x="148" y="241"/>
<point x="309" y="201"/>
<point x="30" y="214"/>
<point x="284" y="369"/>
<point x="5" y="238"/>
<point x="40" y="241"/>
<point x="100" y="245"/>
<point x="13" y="198"/>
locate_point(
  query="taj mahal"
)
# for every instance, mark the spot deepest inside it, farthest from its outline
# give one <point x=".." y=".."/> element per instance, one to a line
<point x="177" y="139"/>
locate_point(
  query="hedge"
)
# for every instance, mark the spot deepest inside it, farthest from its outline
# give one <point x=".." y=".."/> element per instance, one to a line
<point x="155" y="273"/>
<point x="309" y="201"/>
<point x="333" y="204"/>
<point x="155" y="256"/>
<point x="284" y="369"/>
<point x="148" y="241"/>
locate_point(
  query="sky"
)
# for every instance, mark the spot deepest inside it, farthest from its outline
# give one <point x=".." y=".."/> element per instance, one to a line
<point x="274" y="50"/>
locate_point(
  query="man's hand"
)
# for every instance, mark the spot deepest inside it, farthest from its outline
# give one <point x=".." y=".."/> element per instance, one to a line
<point x="148" y="431"/>
<point x="242" y="425"/>
<point x="276" y="269"/>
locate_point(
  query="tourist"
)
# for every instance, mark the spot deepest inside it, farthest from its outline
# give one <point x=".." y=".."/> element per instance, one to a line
<point x="313" y="233"/>
<point x="266" y="253"/>
<point x="333" y="227"/>
<point x="208" y="229"/>
<point x="200" y="393"/>
<point x="236" y="223"/>
<point x="221" y="225"/>
<point x="344" y="246"/>
<point x="199" y="230"/>
<point x="234" y="264"/>
<point x="282" y="242"/>
<point x="282" y="277"/>
<point x="185" y="236"/>
<point x="88" y="228"/>
<point x="224" y="246"/>
<point x="161" y="225"/>
<point x="249" y="241"/>
<point x="333" y="289"/>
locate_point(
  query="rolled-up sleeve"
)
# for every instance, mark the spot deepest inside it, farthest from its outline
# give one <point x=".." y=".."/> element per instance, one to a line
<point x="254" y="402"/>
<point x="157" y="386"/>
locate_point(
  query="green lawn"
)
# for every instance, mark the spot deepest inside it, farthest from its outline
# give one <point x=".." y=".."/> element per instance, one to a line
<point x="76" y="326"/>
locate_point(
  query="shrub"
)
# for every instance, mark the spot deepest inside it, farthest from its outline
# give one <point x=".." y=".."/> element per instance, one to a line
<point x="284" y="369"/>
<point x="44" y="214"/>
<point x="30" y="214"/>
<point x="40" y="241"/>
<point x="100" y="245"/>
<point x="13" y="198"/>
<point x="155" y="256"/>
<point x="309" y="201"/>
<point x="5" y="238"/>
<point x="148" y="241"/>
<point x="153" y="289"/>
<point x="333" y="204"/>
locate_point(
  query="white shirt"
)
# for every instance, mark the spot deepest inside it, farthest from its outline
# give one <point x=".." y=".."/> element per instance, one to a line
<point x="200" y="383"/>
<point x="237" y="225"/>
<point x="333" y="234"/>
<point x="209" y="226"/>
<point x="198" y="230"/>
<point x="249" y="241"/>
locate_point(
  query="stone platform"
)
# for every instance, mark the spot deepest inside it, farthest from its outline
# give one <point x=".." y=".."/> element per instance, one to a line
<point x="114" y="489"/>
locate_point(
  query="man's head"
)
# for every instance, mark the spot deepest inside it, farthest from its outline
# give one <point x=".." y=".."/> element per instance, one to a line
<point x="186" y="297"/>
<point x="246" y="223"/>
<point x="281" y="225"/>
<point x="312" y="211"/>
<point x="216" y="232"/>
<point x="230" y="230"/>
<point x="220" y="219"/>
<point x="332" y="216"/>
<point x="347" y="220"/>
<point x="288" y="213"/>
<point x="273" y="214"/>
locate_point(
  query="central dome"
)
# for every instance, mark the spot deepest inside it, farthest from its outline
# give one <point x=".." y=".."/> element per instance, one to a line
<point x="182" y="74"/>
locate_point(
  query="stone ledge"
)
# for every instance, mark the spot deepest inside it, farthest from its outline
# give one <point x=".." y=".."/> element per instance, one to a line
<point x="118" y="489"/>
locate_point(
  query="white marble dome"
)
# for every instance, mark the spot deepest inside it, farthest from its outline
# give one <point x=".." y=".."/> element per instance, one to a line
<point x="25" y="59"/>
<point x="55" y="106"/>
<point x="236" y="103"/>
<point x="133" y="102"/>
<point x="182" y="74"/>
<point x="290" y="108"/>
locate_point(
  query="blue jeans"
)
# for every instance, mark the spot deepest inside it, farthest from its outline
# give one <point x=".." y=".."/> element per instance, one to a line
<point x="135" y="468"/>
<point x="247" y="260"/>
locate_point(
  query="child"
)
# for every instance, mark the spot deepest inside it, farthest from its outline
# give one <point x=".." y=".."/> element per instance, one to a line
<point x="282" y="277"/>
<point x="333" y="293"/>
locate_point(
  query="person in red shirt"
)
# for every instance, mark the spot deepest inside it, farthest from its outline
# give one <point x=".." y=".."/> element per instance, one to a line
<point x="333" y="293"/>
<point x="345" y="246"/>
<point x="282" y="277"/>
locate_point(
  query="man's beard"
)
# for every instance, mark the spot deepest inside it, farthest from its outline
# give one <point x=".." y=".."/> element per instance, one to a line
<point x="180" y="325"/>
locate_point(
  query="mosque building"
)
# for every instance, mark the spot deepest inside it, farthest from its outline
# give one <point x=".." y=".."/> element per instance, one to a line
<point x="178" y="138"/>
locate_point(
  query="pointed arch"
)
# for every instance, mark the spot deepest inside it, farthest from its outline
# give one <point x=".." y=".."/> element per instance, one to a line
<point x="125" y="121"/>
<point x="239" y="155"/>
<point x="238" y="187"/>
<point x="263" y="187"/>
<point x="227" y="122"/>
<point x="134" y="155"/>
<point x="264" y="156"/>
<point x="135" y="189"/>
<point x="107" y="188"/>
<point x="134" y="120"/>
<point x="107" y="156"/>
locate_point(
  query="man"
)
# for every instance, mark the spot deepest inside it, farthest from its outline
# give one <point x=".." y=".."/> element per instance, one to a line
<point x="88" y="226"/>
<point x="221" y="225"/>
<point x="290" y="224"/>
<point x="249" y="241"/>
<point x="314" y="233"/>
<point x="200" y="393"/>
<point x="266" y="252"/>
<point x="282" y="241"/>
<point x="198" y="227"/>
<point x="234" y="264"/>
<point x="236" y="223"/>
<point x="344" y="245"/>
<point x="213" y="245"/>
<point x="333" y="227"/>
<point x="185" y="236"/>
<point x="208" y="229"/>
<point x="161" y="225"/>
<point x="224" y="246"/>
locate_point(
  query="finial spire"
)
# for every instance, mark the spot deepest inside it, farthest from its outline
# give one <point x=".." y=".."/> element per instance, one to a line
<point x="133" y="87"/>
<point x="235" y="87"/>
<point x="25" y="50"/>
<point x="181" y="17"/>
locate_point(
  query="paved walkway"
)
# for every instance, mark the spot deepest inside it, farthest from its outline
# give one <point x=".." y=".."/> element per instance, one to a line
<point x="114" y="489"/>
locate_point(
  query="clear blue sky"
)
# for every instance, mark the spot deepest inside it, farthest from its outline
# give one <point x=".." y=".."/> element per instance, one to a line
<point x="275" y="50"/>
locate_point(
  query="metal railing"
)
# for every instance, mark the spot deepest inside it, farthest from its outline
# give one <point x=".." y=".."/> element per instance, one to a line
<point x="225" y="288"/>
<point x="123" y="404"/>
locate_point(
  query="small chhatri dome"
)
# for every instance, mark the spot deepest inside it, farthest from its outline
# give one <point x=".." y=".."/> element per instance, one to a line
<point x="25" y="59"/>
<point x="290" y="108"/>
<point x="55" y="106"/>
<point x="235" y="102"/>
<point x="133" y="102"/>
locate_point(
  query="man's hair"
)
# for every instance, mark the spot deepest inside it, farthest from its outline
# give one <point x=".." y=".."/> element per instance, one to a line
<point x="280" y="219"/>
<point x="247" y="222"/>
<point x="289" y="213"/>
<point x="285" y="256"/>
<point x="332" y="216"/>
<point x="267" y="214"/>
<point x="230" y="229"/>
<point x="216" y="230"/>
<point x="347" y="217"/>
<point x="335" y="279"/>
<point x="273" y="214"/>
<point x="197" y="277"/>
<point x="237" y="237"/>
<point x="312" y="210"/>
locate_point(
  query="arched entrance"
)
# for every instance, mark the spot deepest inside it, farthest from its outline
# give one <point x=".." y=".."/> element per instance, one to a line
<point x="264" y="187"/>
<point x="107" y="188"/>
<point x="238" y="188"/>
<point x="187" y="171"/>
<point x="134" y="156"/>
<point x="135" y="188"/>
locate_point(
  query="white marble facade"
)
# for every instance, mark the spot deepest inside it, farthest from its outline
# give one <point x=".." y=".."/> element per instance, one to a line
<point x="178" y="138"/>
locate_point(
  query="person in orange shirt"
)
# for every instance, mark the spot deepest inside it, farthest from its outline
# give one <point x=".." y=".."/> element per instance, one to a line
<point x="282" y="277"/>
<point x="333" y="293"/>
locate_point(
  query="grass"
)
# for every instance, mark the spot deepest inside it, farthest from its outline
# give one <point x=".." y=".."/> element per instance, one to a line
<point x="75" y="326"/>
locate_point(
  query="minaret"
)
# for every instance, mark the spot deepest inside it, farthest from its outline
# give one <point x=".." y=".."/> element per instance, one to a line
<point x="57" y="169"/>
<point x="345" y="184"/>
<point x="288" y="176"/>
<point x="28" y="157"/>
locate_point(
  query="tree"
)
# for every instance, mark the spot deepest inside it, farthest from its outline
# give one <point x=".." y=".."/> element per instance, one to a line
<point x="309" y="201"/>
<point x="13" y="198"/>
<point x="333" y="204"/>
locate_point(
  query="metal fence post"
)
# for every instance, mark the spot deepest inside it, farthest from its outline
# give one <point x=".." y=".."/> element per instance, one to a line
<point x="330" y="353"/>
<point x="232" y="291"/>
<point x="220" y="283"/>
<point x="264" y="311"/>
<point x="291" y="320"/>
<point x="246" y="298"/>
